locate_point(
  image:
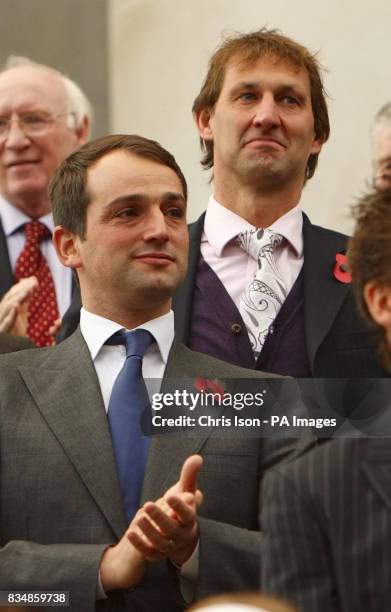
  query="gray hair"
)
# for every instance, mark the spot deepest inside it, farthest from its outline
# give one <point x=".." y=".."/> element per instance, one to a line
<point x="382" y="118"/>
<point x="79" y="105"/>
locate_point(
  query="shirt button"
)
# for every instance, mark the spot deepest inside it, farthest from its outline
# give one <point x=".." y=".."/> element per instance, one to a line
<point x="236" y="328"/>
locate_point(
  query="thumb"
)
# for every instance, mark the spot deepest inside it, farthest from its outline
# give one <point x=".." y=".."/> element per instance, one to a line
<point x="189" y="473"/>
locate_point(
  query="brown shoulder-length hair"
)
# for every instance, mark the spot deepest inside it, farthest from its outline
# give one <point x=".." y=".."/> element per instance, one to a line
<point x="369" y="257"/>
<point x="248" y="48"/>
<point x="68" y="191"/>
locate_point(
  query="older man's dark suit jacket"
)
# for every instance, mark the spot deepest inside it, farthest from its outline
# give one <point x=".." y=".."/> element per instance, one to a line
<point x="6" y="275"/>
<point x="337" y="341"/>
<point x="60" y="503"/>
<point x="327" y="528"/>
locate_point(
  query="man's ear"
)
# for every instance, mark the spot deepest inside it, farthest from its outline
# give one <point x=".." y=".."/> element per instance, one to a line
<point x="317" y="145"/>
<point x="378" y="300"/>
<point x="66" y="244"/>
<point x="202" y="119"/>
<point x="83" y="132"/>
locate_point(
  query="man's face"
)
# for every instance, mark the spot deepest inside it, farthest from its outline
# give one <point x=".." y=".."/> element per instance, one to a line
<point x="262" y="125"/>
<point x="382" y="142"/>
<point x="27" y="163"/>
<point x="134" y="254"/>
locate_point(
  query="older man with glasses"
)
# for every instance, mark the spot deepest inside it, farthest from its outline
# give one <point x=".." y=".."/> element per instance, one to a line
<point x="44" y="117"/>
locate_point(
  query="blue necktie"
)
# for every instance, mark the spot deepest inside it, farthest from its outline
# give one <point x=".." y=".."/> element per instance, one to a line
<point x="128" y="399"/>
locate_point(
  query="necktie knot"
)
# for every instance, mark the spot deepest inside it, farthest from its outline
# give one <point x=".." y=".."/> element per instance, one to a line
<point x="36" y="232"/>
<point x="136" y="342"/>
<point x="259" y="241"/>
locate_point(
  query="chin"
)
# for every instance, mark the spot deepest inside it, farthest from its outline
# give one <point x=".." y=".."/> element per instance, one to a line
<point x="28" y="187"/>
<point x="148" y="289"/>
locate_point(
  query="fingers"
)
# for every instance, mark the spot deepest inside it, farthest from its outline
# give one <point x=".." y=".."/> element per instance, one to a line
<point x="8" y="318"/>
<point x="162" y="529"/>
<point x="177" y="513"/>
<point x="189" y="473"/>
<point x="55" y="328"/>
<point x="149" y="541"/>
<point x="147" y="538"/>
<point x="12" y="305"/>
<point x="22" y="290"/>
<point x="168" y="527"/>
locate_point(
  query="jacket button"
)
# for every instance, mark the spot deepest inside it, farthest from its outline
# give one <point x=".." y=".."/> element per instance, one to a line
<point x="236" y="328"/>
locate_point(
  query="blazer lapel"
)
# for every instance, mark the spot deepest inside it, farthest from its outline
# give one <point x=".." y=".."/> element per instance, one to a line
<point x="323" y="293"/>
<point x="72" y="406"/>
<point x="167" y="453"/>
<point x="183" y="298"/>
<point x="6" y="276"/>
<point x="377" y="467"/>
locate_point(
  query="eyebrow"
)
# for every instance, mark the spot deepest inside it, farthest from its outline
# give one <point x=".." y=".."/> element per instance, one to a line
<point x="244" y="85"/>
<point x="280" y="88"/>
<point x="139" y="198"/>
<point x="29" y="111"/>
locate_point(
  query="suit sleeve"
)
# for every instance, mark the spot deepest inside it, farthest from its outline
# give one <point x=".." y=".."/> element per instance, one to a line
<point x="230" y="537"/>
<point x="62" y="567"/>
<point x="297" y="564"/>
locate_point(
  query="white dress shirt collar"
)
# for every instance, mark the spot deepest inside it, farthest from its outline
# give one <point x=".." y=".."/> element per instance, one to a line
<point x="222" y="225"/>
<point x="12" y="218"/>
<point x="96" y="330"/>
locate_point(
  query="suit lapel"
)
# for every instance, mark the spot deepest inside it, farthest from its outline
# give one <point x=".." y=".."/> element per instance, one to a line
<point x="67" y="393"/>
<point x="6" y="276"/>
<point x="377" y="467"/>
<point x="167" y="453"/>
<point x="183" y="298"/>
<point x="323" y="293"/>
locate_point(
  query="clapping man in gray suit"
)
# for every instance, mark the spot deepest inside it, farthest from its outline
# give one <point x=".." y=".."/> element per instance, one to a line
<point x="66" y="520"/>
<point x="327" y="517"/>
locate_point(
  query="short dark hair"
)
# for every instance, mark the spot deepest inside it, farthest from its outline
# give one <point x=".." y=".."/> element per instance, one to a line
<point x="369" y="256"/>
<point x="248" y="48"/>
<point x="67" y="189"/>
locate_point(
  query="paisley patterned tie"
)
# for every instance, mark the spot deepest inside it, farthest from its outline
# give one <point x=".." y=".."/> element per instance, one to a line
<point x="263" y="297"/>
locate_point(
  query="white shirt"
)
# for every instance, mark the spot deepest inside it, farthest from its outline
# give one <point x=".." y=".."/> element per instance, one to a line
<point x="12" y="219"/>
<point x="234" y="267"/>
<point x="108" y="360"/>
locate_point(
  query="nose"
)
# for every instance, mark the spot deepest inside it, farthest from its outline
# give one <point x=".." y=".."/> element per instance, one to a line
<point x="16" y="138"/>
<point x="156" y="227"/>
<point x="267" y="113"/>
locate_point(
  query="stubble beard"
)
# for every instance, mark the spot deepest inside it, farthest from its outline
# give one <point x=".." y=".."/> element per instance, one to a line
<point x="266" y="172"/>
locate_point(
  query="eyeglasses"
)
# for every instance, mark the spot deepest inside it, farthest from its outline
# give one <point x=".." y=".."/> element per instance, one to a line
<point x="31" y="123"/>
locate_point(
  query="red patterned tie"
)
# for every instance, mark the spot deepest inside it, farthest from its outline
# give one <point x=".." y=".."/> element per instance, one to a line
<point x="42" y="310"/>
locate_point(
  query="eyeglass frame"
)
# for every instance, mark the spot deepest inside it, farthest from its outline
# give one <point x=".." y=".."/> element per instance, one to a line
<point x="47" y="118"/>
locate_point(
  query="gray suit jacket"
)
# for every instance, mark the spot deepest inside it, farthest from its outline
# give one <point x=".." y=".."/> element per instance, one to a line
<point x="327" y="528"/>
<point x="60" y="500"/>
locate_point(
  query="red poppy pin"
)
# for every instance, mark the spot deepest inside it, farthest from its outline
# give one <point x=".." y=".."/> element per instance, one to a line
<point x="341" y="269"/>
<point x="205" y="385"/>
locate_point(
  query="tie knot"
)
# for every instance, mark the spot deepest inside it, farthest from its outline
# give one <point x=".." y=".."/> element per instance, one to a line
<point x="136" y="342"/>
<point x="36" y="231"/>
<point x="259" y="241"/>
